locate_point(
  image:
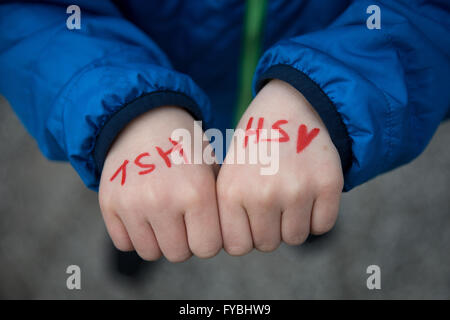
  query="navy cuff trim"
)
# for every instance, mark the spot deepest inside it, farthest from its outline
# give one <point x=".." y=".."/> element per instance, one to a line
<point x="134" y="109"/>
<point x="321" y="103"/>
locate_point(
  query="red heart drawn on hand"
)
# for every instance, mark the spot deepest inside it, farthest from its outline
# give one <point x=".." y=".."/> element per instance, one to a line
<point x="305" y="138"/>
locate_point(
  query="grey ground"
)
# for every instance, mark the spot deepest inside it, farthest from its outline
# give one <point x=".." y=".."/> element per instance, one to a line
<point x="399" y="221"/>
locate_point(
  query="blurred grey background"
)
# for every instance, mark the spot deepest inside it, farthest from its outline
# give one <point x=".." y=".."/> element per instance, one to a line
<point x="399" y="221"/>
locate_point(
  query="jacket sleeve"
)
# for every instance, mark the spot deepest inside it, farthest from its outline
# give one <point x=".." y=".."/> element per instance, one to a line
<point x="74" y="90"/>
<point x="381" y="93"/>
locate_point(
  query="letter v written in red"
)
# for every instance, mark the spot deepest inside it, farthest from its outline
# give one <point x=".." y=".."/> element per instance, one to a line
<point x="304" y="138"/>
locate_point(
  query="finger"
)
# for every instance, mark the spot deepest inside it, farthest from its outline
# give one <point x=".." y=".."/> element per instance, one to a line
<point x="143" y="238"/>
<point x="118" y="233"/>
<point x="203" y="231"/>
<point x="170" y="231"/>
<point x="324" y="213"/>
<point x="266" y="227"/>
<point x="236" y="232"/>
<point x="295" y="223"/>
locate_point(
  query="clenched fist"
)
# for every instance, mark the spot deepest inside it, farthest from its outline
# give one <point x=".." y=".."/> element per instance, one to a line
<point x="301" y="198"/>
<point x="151" y="205"/>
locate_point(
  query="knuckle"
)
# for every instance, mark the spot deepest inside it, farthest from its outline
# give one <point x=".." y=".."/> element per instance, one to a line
<point x="331" y="184"/>
<point x="265" y="195"/>
<point x="267" y="246"/>
<point x="324" y="226"/>
<point x="121" y="244"/>
<point x="155" y="200"/>
<point x="118" y="235"/>
<point x="228" y="193"/>
<point x="239" y="249"/>
<point x="149" y="255"/>
<point x="194" y="197"/>
<point x="143" y="200"/>
<point x="128" y="200"/>
<point x="295" y="193"/>
<point x="208" y="250"/>
<point x="266" y="190"/>
<point x="180" y="256"/>
<point x="295" y="239"/>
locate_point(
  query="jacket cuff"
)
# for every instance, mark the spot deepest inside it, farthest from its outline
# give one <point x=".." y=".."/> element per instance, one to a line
<point x="135" y="108"/>
<point x="320" y="102"/>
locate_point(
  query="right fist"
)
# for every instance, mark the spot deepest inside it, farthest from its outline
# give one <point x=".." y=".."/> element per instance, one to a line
<point x="152" y="205"/>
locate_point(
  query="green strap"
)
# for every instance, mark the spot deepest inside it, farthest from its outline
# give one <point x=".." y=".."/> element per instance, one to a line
<point x="255" y="11"/>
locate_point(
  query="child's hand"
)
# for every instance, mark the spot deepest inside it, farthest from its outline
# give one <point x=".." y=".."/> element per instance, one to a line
<point x="261" y="210"/>
<point x="151" y="207"/>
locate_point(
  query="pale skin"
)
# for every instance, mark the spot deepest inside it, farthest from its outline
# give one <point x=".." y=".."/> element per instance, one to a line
<point x="176" y="211"/>
<point x="260" y="211"/>
<point x="171" y="211"/>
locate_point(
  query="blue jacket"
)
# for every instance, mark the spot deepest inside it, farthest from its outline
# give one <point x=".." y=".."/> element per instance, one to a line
<point x="381" y="92"/>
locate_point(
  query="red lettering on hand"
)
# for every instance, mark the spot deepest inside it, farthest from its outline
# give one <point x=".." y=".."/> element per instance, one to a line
<point x="249" y="131"/>
<point x="284" y="136"/>
<point x="165" y="155"/>
<point x="150" y="166"/>
<point x="305" y="138"/>
<point x="123" y="169"/>
<point x="178" y="147"/>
